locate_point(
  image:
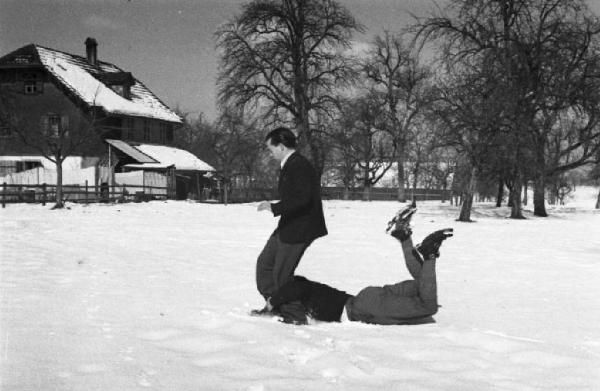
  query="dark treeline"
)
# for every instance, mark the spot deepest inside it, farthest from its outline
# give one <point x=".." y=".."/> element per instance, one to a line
<point x="487" y="97"/>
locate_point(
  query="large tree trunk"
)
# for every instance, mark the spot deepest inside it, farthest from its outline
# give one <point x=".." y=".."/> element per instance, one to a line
<point x="306" y="140"/>
<point x="516" y="211"/>
<point x="539" y="198"/>
<point x="346" y="193"/>
<point x="366" y="184"/>
<point x="59" y="189"/>
<point x="500" y="194"/>
<point x="400" y="162"/>
<point x="467" y="198"/>
<point x="315" y="155"/>
<point x="539" y="207"/>
<point x="416" y="175"/>
<point x="225" y="193"/>
<point x="444" y="189"/>
<point x="367" y="192"/>
<point x="525" y="198"/>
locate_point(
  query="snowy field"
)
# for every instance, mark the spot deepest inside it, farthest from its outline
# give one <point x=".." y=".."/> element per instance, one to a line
<point x="156" y="296"/>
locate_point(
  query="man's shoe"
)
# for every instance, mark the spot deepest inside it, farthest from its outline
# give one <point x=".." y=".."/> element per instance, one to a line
<point x="400" y="223"/>
<point x="430" y="246"/>
<point x="295" y="322"/>
<point x="264" y="312"/>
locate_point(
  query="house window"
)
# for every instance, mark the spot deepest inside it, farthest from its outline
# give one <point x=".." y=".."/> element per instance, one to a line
<point x="118" y="89"/>
<point x="146" y="130"/>
<point x="30" y="87"/>
<point x="22" y="59"/>
<point x="27" y="165"/>
<point x="32" y="83"/>
<point x="7" y="167"/>
<point x="5" y="125"/>
<point x="55" y="125"/>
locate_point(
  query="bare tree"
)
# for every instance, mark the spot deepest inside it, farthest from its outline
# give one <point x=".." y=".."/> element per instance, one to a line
<point x="364" y="137"/>
<point x="286" y="55"/>
<point x="50" y="129"/>
<point x="234" y="145"/>
<point x="396" y="71"/>
<point x="470" y="121"/>
<point x="546" y="56"/>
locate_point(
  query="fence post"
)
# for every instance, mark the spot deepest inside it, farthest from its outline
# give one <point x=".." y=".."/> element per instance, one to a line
<point x="112" y="186"/>
<point x="43" y="194"/>
<point x="86" y="192"/>
<point x="4" y="195"/>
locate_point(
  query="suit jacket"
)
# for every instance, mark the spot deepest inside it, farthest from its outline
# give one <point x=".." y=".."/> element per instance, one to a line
<point x="300" y="204"/>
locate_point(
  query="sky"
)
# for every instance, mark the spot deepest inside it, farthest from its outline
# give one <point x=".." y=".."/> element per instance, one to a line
<point x="169" y="45"/>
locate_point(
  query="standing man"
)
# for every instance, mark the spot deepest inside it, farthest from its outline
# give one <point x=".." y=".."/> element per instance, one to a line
<point x="301" y="221"/>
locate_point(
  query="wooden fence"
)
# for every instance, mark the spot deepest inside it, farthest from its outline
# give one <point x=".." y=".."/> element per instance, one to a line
<point x="384" y="194"/>
<point x="339" y="193"/>
<point x="45" y="193"/>
<point x="135" y="193"/>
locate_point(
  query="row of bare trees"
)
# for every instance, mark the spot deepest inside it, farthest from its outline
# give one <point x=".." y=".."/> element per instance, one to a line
<point x="490" y="93"/>
<point x="510" y="92"/>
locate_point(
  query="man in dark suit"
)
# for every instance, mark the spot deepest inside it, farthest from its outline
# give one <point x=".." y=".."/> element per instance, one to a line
<point x="301" y="221"/>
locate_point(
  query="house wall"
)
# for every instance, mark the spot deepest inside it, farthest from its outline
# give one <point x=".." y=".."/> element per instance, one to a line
<point x="144" y="130"/>
<point x="31" y="111"/>
<point x="29" y="108"/>
<point x="48" y="99"/>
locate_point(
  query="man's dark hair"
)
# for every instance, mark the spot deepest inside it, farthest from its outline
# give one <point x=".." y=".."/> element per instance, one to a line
<point x="283" y="136"/>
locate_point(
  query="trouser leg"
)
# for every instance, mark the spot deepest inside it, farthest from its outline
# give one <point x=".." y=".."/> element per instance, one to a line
<point x="427" y="285"/>
<point x="397" y="303"/>
<point x="286" y="261"/>
<point x="265" y="266"/>
<point x="424" y="285"/>
<point x="413" y="264"/>
<point x="287" y="257"/>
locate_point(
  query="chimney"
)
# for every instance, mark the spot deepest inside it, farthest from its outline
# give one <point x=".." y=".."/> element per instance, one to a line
<point x="91" y="51"/>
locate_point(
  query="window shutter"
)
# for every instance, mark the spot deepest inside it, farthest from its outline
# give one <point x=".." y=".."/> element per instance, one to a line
<point x="64" y="122"/>
<point x="45" y="124"/>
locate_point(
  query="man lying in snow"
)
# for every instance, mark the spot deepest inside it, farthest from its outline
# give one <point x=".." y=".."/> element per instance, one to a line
<point x="407" y="302"/>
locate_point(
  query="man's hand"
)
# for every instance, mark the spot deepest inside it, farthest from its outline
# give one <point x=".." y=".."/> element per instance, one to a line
<point x="264" y="205"/>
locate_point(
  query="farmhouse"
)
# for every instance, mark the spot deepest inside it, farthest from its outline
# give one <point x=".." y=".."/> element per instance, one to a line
<point x="57" y="91"/>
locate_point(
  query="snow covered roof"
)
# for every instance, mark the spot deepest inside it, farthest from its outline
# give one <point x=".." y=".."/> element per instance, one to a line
<point x="85" y="81"/>
<point x="181" y="159"/>
<point x="140" y="157"/>
<point x="162" y="156"/>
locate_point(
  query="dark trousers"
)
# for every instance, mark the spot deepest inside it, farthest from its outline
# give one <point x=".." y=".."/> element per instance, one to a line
<point x="274" y="267"/>
<point x="402" y="302"/>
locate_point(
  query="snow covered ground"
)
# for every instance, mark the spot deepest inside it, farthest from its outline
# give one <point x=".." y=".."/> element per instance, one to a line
<point x="156" y="295"/>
